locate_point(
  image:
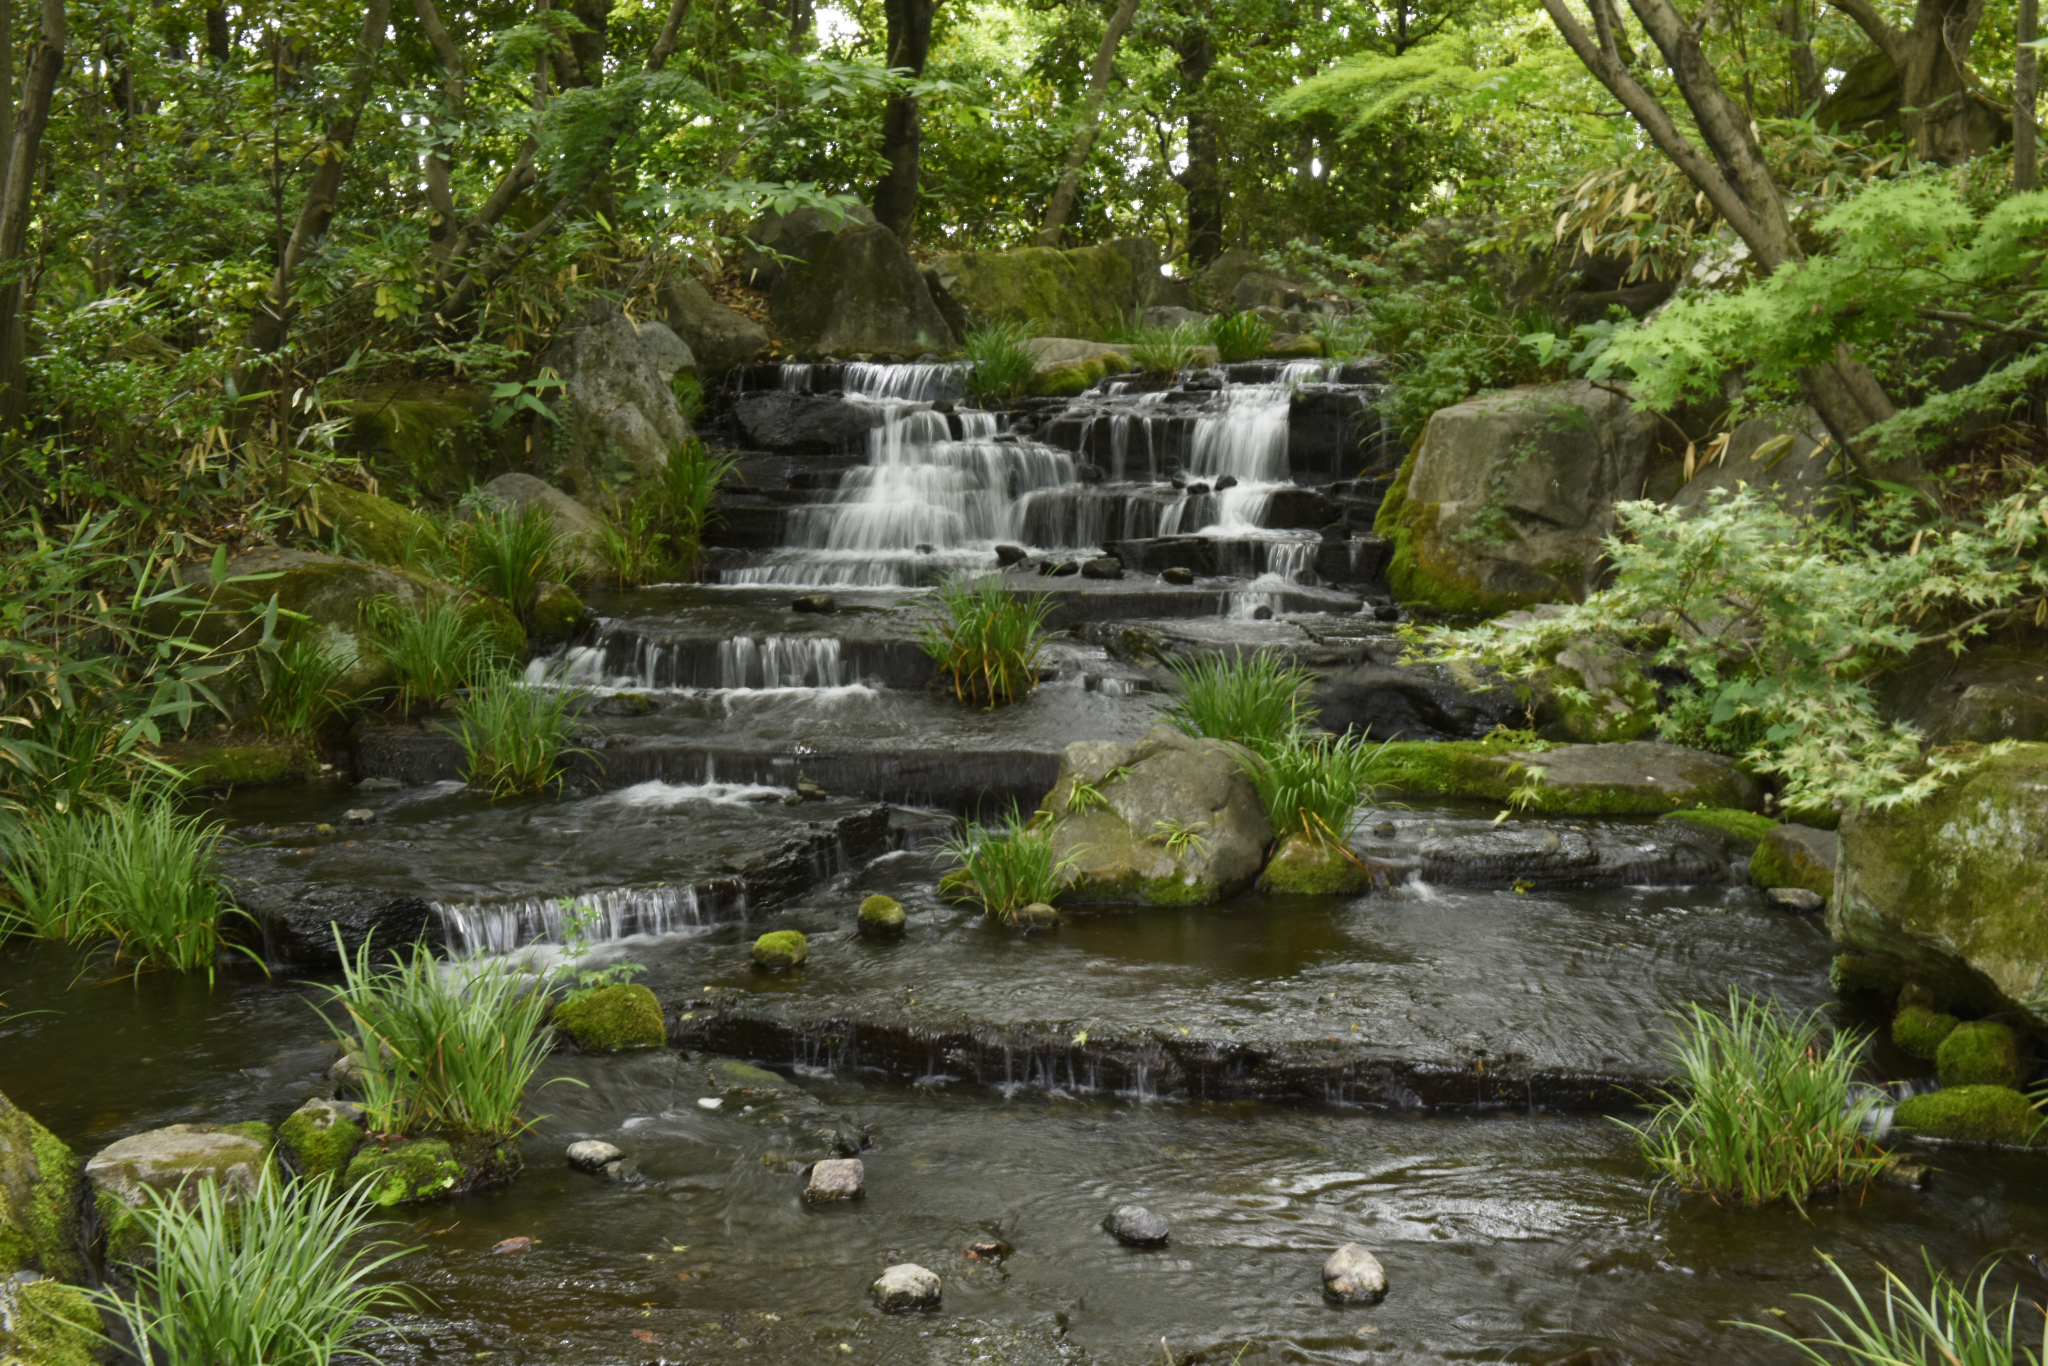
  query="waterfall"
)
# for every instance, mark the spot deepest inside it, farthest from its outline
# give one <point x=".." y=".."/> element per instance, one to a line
<point x="613" y="913"/>
<point x="628" y="660"/>
<point x="779" y="662"/>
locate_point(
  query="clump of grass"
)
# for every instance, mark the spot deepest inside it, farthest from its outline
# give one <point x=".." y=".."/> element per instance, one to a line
<point x="1239" y="336"/>
<point x="1255" y="700"/>
<point x="1764" y="1111"/>
<point x="515" y="738"/>
<point x="281" y="1275"/>
<point x="990" y="641"/>
<point x="510" y="552"/>
<point x="683" y="495"/>
<point x="1956" y="1322"/>
<point x="1005" y="866"/>
<point x="301" y="684"/>
<point x="1001" y="365"/>
<point x="435" y="648"/>
<point x="630" y="542"/>
<point x="1312" y="785"/>
<point x="1164" y="350"/>
<point x="449" y="1048"/>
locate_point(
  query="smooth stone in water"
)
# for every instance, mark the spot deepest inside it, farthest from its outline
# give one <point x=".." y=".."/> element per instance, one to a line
<point x="1262" y="613"/>
<point x="1007" y="555"/>
<point x="780" y="949"/>
<point x="814" y="602"/>
<point x="360" y="815"/>
<point x="593" y="1155"/>
<point x="836" y="1178"/>
<point x="1103" y="567"/>
<point x="906" y="1288"/>
<point x="1795" y="899"/>
<point x="1038" y="916"/>
<point x="1177" y="575"/>
<point x="1354" y="1276"/>
<point x="1062" y="570"/>
<point x="1135" y="1226"/>
<point x="881" y="917"/>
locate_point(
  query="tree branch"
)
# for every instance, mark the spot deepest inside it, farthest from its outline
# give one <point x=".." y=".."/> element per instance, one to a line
<point x="1877" y="28"/>
<point x="658" y="55"/>
<point x="1982" y="324"/>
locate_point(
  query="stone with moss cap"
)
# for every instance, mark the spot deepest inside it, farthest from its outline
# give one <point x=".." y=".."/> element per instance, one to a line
<point x="322" y="1135"/>
<point x="779" y="950"/>
<point x="405" y="1171"/>
<point x="1920" y="1030"/>
<point x="556" y="613"/>
<point x="1309" y="867"/>
<point x="374" y="527"/>
<point x="881" y="917"/>
<point x="620" y="1015"/>
<point x="1638" y="778"/>
<point x="39" y="1184"/>
<point x="169" y="1160"/>
<point x="1744" y="829"/>
<point x="1971" y="1114"/>
<point x="1797" y="856"/>
<point x="249" y="762"/>
<point x="1086" y="292"/>
<point x="48" y="1323"/>
<point x="1979" y="1053"/>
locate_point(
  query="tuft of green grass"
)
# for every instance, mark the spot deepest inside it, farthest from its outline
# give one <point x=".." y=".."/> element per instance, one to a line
<point x="631" y="542"/>
<point x="435" y="648"/>
<point x="1164" y="351"/>
<point x="510" y="552"/>
<point x="448" y="1048"/>
<point x="990" y="641"/>
<point x="1956" y="1323"/>
<point x="1005" y="866"/>
<point x="1312" y="785"/>
<point x="301" y="684"/>
<point x="1239" y="336"/>
<point x="682" y="496"/>
<point x="1001" y="365"/>
<point x="1256" y="700"/>
<point x="282" y="1275"/>
<point x="1764" y="1110"/>
<point x="515" y="738"/>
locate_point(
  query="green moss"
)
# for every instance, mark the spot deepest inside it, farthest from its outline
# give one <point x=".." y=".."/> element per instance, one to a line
<point x="39" y="1182"/>
<point x="1306" y="867"/>
<point x="1912" y="994"/>
<point x="1176" y="891"/>
<point x="881" y="917"/>
<point x="1746" y="826"/>
<point x="1484" y="770"/>
<point x="1781" y="861"/>
<point x="408" y="1170"/>
<point x="1971" y="1114"/>
<point x="556" y="612"/>
<point x="121" y="1233"/>
<point x="1303" y="347"/>
<point x="1920" y="1031"/>
<point x="423" y="436"/>
<point x="779" y="949"/>
<point x="49" y="1323"/>
<point x="503" y="625"/>
<point x="1072" y="377"/>
<point x="1981" y="1053"/>
<point x="321" y="1138"/>
<point x="375" y="528"/>
<point x="622" y="1015"/>
<point x="247" y="763"/>
<point x="1082" y="293"/>
<point x="1874" y="977"/>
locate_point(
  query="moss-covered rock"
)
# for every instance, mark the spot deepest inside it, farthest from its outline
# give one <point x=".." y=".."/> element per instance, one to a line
<point x="428" y="437"/>
<point x="1920" y="1030"/>
<point x="1309" y="867"/>
<point x="1795" y="855"/>
<point x="1639" y="778"/>
<point x="405" y="1171"/>
<point x="246" y="762"/>
<point x="1870" y="977"/>
<point x="1088" y="292"/>
<point x="731" y="1075"/>
<point x="322" y="1135"/>
<point x="1065" y="379"/>
<point x="49" y="1323"/>
<point x="172" y="1160"/>
<point x="1971" y="1114"/>
<point x="1958" y="884"/>
<point x="556" y="612"/>
<point x="1594" y="695"/>
<point x="881" y="917"/>
<point x="622" y="1015"/>
<point x="1980" y="1053"/>
<point x="39" y="1186"/>
<point x="1295" y="346"/>
<point x="778" y="950"/>
<point x="1745" y="828"/>
<point x="376" y="528"/>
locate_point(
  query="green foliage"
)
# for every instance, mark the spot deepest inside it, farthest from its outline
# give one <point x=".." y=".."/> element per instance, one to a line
<point x="990" y="640"/>
<point x="515" y="738"/>
<point x="1006" y="866"/>
<point x="301" y="685"/>
<point x="282" y="1275"/>
<point x="1312" y="785"/>
<point x="682" y="503"/>
<point x="630" y="544"/>
<point x="509" y="552"/>
<point x="1002" y="367"/>
<point x="1956" y="1323"/>
<point x="1787" y="622"/>
<point x="1764" y="1110"/>
<point x="1239" y="336"/>
<point x="446" y="1047"/>
<point x="1164" y="350"/>
<point x="435" y="647"/>
<point x="1980" y="1053"/>
<point x="1257" y="700"/>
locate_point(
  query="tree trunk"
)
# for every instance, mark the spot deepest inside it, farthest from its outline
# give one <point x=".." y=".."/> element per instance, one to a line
<point x="2026" y="83"/>
<point x="910" y="40"/>
<point x="1932" y="60"/>
<point x="1091" y="121"/>
<point x="1808" y="89"/>
<point x="1202" y="180"/>
<point x="38" y="88"/>
<point x="219" y="41"/>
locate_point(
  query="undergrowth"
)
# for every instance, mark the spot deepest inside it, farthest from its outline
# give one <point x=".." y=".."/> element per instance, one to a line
<point x="1001" y="366"/>
<point x="1256" y="700"/>
<point x="1956" y="1323"/>
<point x="515" y="738"/>
<point x="1239" y="336"/>
<point x="510" y="551"/>
<point x="1313" y="784"/>
<point x="434" y="647"/>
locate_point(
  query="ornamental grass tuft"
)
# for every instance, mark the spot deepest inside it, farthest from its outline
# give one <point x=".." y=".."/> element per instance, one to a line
<point x="1956" y="1323"/>
<point x="1312" y="785"/>
<point x="1006" y="866"/>
<point x="1239" y="336"/>
<point x="514" y="736"/>
<point x="1001" y="365"/>
<point x="435" y="647"/>
<point x="989" y="642"/>
<point x="1257" y="700"/>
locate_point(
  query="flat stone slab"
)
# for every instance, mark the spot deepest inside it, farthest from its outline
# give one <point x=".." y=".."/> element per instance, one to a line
<point x="836" y="1178"/>
<point x="1689" y="777"/>
<point x="168" y="1158"/>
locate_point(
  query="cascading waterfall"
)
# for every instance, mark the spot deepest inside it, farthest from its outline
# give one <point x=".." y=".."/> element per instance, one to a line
<point x="625" y="659"/>
<point x="600" y="916"/>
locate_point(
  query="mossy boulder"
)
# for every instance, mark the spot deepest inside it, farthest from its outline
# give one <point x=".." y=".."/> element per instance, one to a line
<point x="249" y="761"/>
<point x="1872" y="977"/>
<point x="1744" y="829"/>
<point x="376" y="528"/>
<point x="621" y="1015"/>
<point x="1795" y="855"/>
<point x="1294" y="346"/>
<point x="1638" y="778"/>
<point x="1957" y="885"/>
<point x="49" y="1323"/>
<point x="39" y="1199"/>
<point x="1595" y="695"/>
<point x="854" y="290"/>
<point x="1971" y="1114"/>
<point x="431" y="439"/>
<point x="881" y="917"/>
<point x="172" y="1160"/>
<point x="405" y="1171"/>
<point x="556" y="613"/>
<point x="1065" y="366"/>
<point x="1307" y="867"/>
<point x="1065" y="379"/>
<point x="322" y="1135"/>
<point x="1980" y="1053"/>
<point x="1920" y="1030"/>
<point x="1087" y="292"/>
<point x="780" y="950"/>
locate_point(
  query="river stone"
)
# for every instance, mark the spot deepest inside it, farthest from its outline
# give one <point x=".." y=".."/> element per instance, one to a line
<point x="1007" y="555"/>
<point x="618" y="1015"/>
<point x="322" y="1135"/>
<point x="39" y="1203"/>
<point x="1956" y="888"/>
<point x="1309" y="867"/>
<point x="576" y="526"/>
<point x="1797" y="856"/>
<point x="1103" y="567"/>
<point x="1353" y="1275"/>
<point x="1135" y="1226"/>
<point x="618" y="404"/>
<point x="593" y="1155"/>
<point x="1640" y="778"/>
<point x="1177" y="576"/>
<point x="906" y="1288"/>
<point x="1037" y="917"/>
<point x="719" y="337"/>
<point x="881" y="917"/>
<point x="780" y="949"/>
<point x="1795" y="899"/>
<point x="172" y="1160"/>
<point x="802" y="424"/>
<point x="1166" y="781"/>
<point x="836" y="1178"/>
<point x="855" y="290"/>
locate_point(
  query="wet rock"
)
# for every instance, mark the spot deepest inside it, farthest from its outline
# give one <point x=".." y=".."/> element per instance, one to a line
<point x="854" y="288"/>
<point x="361" y="815"/>
<point x="881" y="917"/>
<point x="1061" y="570"/>
<point x="1007" y="555"/>
<point x="719" y="337"/>
<point x="1386" y="611"/>
<point x="1795" y="899"/>
<point x="1970" y="1114"/>
<point x="39" y="1200"/>
<point x="905" y="1289"/>
<point x="1796" y="856"/>
<point x="408" y="1170"/>
<point x="1641" y="777"/>
<point x="850" y="1138"/>
<point x="1390" y="700"/>
<point x="1795" y="476"/>
<point x="808" y="791"/>
<point x="836" y="1178"/>
<point x="593" y="1155"/>
<point x="1197" y="490"/>
<point x="984" y="1250"/>
<point x="322" y="1135"/>
<point x="780" y="950"/>
<point x="1103" y="567"/>
<point x="814" y="602"/>
<point x="1135" y="1226"/>
<point x="172" y="1161"/>
<point x="508" y="1246"/>
<point x="1473" y="851"/>
<point x="1262" y="613"/>
<point x="625" y="704"/>
<point x="1038" y="917"/>
<point x="801" y="424"/>
<point x="1180" y="577"/>
<point x="623" y="418"/>
<point x="612" y="1017"/>
<point x="1307" y="867"/>
<point x="1353" y="1275"/>
<point x="379" y="785"/>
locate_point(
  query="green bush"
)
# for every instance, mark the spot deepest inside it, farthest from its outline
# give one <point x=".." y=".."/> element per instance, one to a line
<point x="630" y="541"/>
<point x="515" y="737"/>
<point x="1239" y="336"/>
<point x="436" y="648"/>
<point x="1312" y="785"/>
<point x="1164" y="351"/>
<point x="1981" y="1053"/>
<point x="1256" y="700"/>
<point x="1766" y="1111"/>
<point x="1002" y="367"/>
<point x="1957" y="1324"/>
<point x="1005" y="866"/>
<point x="990" y="641"/>
<point x="300" y="684"/>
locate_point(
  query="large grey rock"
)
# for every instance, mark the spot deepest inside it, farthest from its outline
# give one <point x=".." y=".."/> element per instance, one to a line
<point x="1794" y="855"/>
<point x="1353" y="1275"/>
<point x="719" y="337"/>
<point x="576" y="526"/>
<point x="905" y="1288"/>
<point x="1447" y="850"/>
<point x="856" y="291"/>
<point x="1257" y="290"/>
<point x="1794" y="475"/>
<point x="172" y="1161"/>
<point x="1169" y="316"/>
<point x="1135" y="1226"/>
<point x="802" y="424"/>
<point x="1086" y="292"/>
<point x="1509" y="495"/>
<point x="784" y="234"/>
<point x="1392" y="700"/>
<point x="1125" y="847"/>
<point x="1647" y="771"/>
<point x="622" y="415"/>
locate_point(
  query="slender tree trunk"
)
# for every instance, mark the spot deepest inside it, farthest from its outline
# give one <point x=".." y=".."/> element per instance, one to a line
<point x="38" y="88"/>
<point x="219" y="41"/>
<point x="1807" y="87"/>
<point x="2026" y="83"/>
<point x="1202" y="180"/>
<point x="910" y="40"/>
<point x="1091" y="122"/>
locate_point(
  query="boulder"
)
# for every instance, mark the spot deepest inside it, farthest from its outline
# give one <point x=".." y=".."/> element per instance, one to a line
<point x="556" y="614"/>
<point x="620" y="1015"/>
<point x="881" y="917"/>
<point x="1639" y="778"/>
<point x="1166" y="317"/>
<point x="1594" y="694"/>
<point x="1065" y="366"/>
<point x="1985" y="713"/>
<point x="1921" y="1030"/>
<point x="1413" y="702"/>
<point x="1785" y="458"/>
<point x="836" y="1178"/>
<point x="39" y="1204"/>
<point x="1255" y="290"/>
<point x="1506" y="498"/>
<point x="779" y="950"/>
<point x="1170" y="820"/>
<point x="377" y="528"/>
<point x="905" y="1289"/>
<point x="1799" y="856"/>
<point x="322" y="1135"/>
<point x="576" y="526"/>
<point x="719" y="337"/>
<point x="1971" y="1114"/>
<point x="1219" y="278"/>
<point x="239" y="762"/>
<point x="802" y="424"/>
<point x="593" y="1155"/>
<point x="1307" y="867"/>
<point x="1980" y="1053"/>
<point x="783" y="234"/>
<point x="44" y="1322"/>
<point x="1086" y="292"/>
<point x="1449" y="849"/>
<point x="1956" y="888"/>
<point x="1353" y="1275"/>
<point x="171" y="1161"/>
<point x="619" y="406"/>
<point x="406" y="1171"/>
<point x="856" y="291"/>
<point x="1135" y="1226"/>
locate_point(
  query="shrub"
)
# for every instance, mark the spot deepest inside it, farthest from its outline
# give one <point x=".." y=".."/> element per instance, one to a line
<point x="510" y="551"/>
<point x="443" y="1047"/>
<point x="435" y="648"/>
<point x="990" y="641"/>
<point x="1239" y="336"/>
<point x="1164" y="351"/>
<point x="1001" y="364"/>
<point x="1766" y="1112"/>
<point x="1256" y="700"/>
<point x="1313" y="784"/>
<point x="1006" y="866"/>
<point x="281" y="1276"/>
<point x="1956" y="1323"/>
<point x="515" y="737"/>
<point x="300" y="685"/>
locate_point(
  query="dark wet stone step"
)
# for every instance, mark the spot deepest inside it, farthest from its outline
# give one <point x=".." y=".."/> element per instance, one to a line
<point x="1353" y="560"/>
<point x="1474" y="851"/>
<point x="724" y="650"/>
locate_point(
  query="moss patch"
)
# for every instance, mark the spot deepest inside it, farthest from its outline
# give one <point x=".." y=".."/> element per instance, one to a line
<point x="555" y="614"/>
<point x="49" y="1323"/>
<point x="423" y="436"/>
<point x="1870" y="976"/>
<point x="780" y="949"/>
<point x="376" y="528"/>
<point x="1782" y="860"/>
<point x="1489" y="770"/>
<point x="1083" y="293"/>
<point x="747" y="1077"/>
<point x="209" y="765"/>
<point x="321" y="1138"/>
<point x="1981" y="1053"/>
<point x="1746" y="826"/>
<point x="881" y="917"/>
<point x="1304" y="346"/>
<point x="39" y="1180"/>
<point x="1971" y="1114"/>
<point x="1309" y="867"/>
<point x="622" y="1015"/>
<point x="408" y="1170"/>
<point x="1067" y="379"/>
<point x="1920" y="1031"/>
